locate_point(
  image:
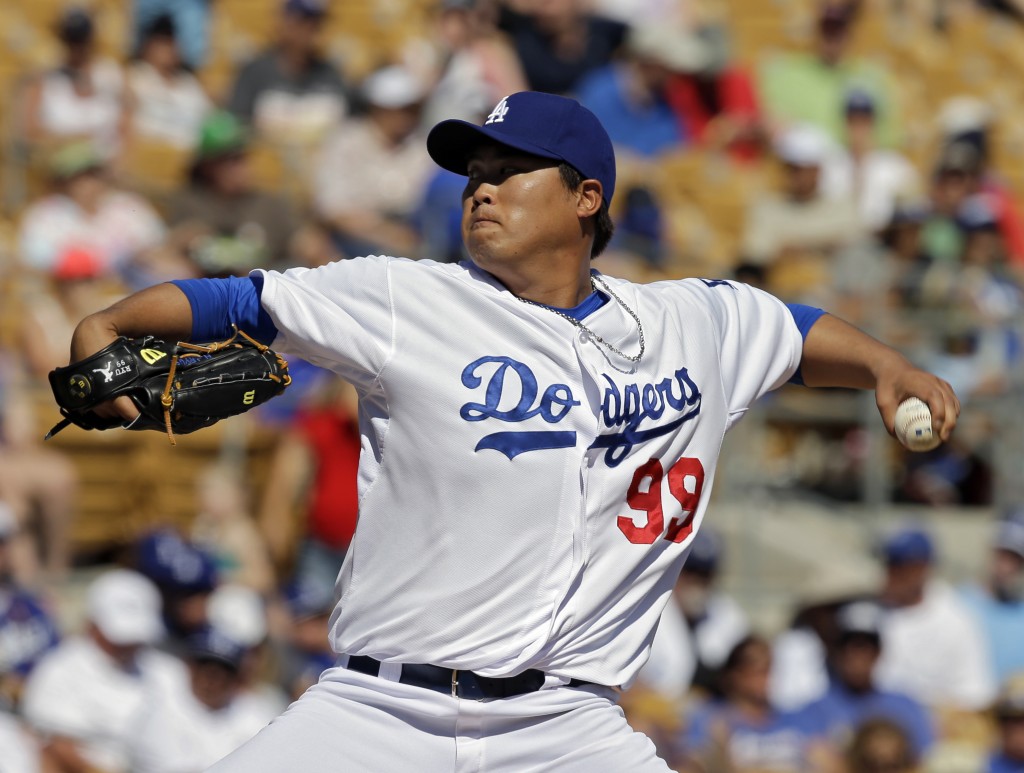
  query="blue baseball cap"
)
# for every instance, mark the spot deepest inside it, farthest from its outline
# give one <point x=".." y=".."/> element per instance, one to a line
<point x="705" y="552"/>
<point x="909" y="545"/>
<point x="536" y="123"/>
<point x="309" y="9"/>
<point x="210" y="644"/>
<point x="306" y="598"/>
<point x="1010" y="532"/>
<point x="174" y="563"/>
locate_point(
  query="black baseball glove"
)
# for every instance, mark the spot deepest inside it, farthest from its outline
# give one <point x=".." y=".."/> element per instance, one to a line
<point x="178" y="388"/>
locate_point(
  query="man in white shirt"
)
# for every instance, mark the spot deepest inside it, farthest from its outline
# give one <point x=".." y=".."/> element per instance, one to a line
<point x="211" y="717"/>
<point x="371" y="173"/>
<point x="875" y="178"/>
<point x="84" y="698"/>
<point x="698" y="631"/>
<point x="931" y="646"/>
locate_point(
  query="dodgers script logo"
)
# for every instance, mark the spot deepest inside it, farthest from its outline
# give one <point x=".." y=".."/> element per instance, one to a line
<point x="633" y="412"/>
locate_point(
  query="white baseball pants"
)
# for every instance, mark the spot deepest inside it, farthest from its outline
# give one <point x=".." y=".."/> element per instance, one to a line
<point x="357" y="723"/>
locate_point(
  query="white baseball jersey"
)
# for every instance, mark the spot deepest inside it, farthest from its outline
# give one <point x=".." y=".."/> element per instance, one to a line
<point x="526" y="497"/>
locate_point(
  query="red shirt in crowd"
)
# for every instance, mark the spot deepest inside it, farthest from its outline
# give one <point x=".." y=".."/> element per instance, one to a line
<point x="333" y="438"/>
<point x="731" y="93"/>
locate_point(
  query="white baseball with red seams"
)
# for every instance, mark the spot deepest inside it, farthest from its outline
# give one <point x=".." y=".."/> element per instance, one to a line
<point x="913" y="426"/>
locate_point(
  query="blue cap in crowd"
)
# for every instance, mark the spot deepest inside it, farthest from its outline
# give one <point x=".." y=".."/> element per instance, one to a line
<point x="1010" y="532"/>
<point x="705" y="552"/>
<point x="908" y="545"/>
<point x="977" y="213"/>
<point x="210" y="644"/>
<point x="859" y="100"/>
<point x="539" y="124"/>
<point x="310" y="9"/>
<point x="175" y="564"/>
<point x="306" y="598"/>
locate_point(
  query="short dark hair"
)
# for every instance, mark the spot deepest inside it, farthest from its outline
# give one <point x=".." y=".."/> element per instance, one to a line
<point x="603" y="225"/>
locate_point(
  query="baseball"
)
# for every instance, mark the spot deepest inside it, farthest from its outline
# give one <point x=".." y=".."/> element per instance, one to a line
<point x="914" y="426"/>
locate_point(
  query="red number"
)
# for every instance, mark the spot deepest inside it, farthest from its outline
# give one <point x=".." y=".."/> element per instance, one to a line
<point x="648" y="500"/>
<point x="644" y="494"/>
<point x="685" y="469"/>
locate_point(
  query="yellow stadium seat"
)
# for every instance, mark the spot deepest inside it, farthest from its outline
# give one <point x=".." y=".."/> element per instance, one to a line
<point x="153" y="165"/>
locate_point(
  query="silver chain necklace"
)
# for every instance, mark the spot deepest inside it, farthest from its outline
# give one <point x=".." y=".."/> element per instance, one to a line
<point x="594" y="281"/>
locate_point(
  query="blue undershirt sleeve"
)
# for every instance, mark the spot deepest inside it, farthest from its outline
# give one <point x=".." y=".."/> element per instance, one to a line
<point x="217" y="304"/>
<point x="804" y="317"/>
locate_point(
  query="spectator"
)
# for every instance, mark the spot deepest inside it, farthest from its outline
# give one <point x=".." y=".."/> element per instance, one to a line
<point x="52" y="305"/>
<point x="904" y="254"/>
<point x="240" y="614"/>
<point x="999" y="602"/>
<point x="39" y="485"/>
<point x="21" y="750"/>
<point x="166" y="101"/>
<point x="743" y="732"/>
<point x="87" y="212"/>
<point x="1009" y="713"/>
<point x="810" y="88"/>
<point x="559" y="42"/>
<point x="439" y="217"/>
<point x="698" y="628"/>
<point x="315" y="464"/>
<point x="307" y="651"/>
<point x="191" y="18"/>
<point x="373" y="170"/>
<point x="84" y="698"/>
<point x="881" y="746"/>
<point x="931" y="647"/>
<point x="875" y="178"/>
<point x="953" y="181"/>
<point x="852" y="697"/>
<point x="716" y="100"/>
<point x="82" y="98"/>
<point x="202" y="723"/>
<point x="628" y="95"/>
<point x="795" y="235"/>
<point x="225" y="528"/>
<point x="479" y="64"/>
<point x="291" y="93"/>
<point x="967" y="121"/>
<point x="982" y="337"/>
<point x="27" y="631"/>
<point x="184" y="575"/>
<point x="222" y="221"/>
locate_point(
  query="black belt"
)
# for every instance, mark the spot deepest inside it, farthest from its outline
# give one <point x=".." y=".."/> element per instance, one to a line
<point x="459" y="684"/>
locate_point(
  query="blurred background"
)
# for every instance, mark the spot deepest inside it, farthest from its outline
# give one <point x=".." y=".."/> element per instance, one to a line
<point x="848" y="606"/>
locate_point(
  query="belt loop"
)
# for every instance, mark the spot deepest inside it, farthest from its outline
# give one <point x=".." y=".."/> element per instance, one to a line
<point x="455" y="683"/>
<point x="390" y="671"/>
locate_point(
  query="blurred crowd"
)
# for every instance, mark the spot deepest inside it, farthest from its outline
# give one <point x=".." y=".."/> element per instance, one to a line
<point x="791" y="171"/>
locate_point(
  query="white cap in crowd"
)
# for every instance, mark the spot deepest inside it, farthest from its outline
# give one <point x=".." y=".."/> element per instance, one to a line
<point x="239" y="613"/>
<point x="803" y="145"/>
<point x="125" y="607"/>
<point x="678" y="49"/>
<point x="8" y="523"/>
<point x="393" y="87"/>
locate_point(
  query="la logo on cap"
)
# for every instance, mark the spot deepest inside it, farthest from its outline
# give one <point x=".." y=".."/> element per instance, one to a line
<point x="499" y="112"/>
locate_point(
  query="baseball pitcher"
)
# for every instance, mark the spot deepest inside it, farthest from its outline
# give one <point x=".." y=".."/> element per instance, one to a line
<point x="539" y="443"/>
